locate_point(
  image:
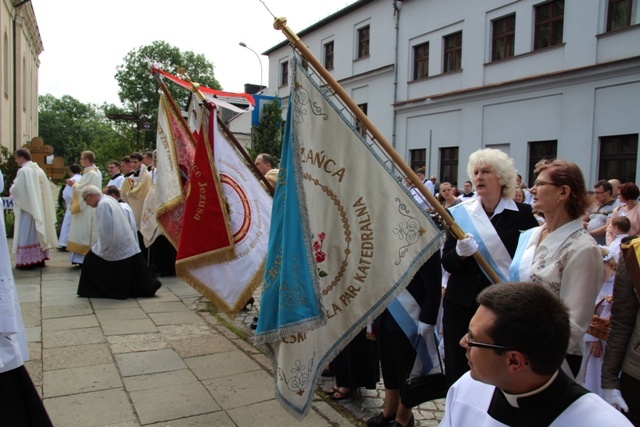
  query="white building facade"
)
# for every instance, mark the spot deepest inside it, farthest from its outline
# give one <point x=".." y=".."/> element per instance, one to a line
<point x="19" y="65"/>
<point x="537" y="79"/>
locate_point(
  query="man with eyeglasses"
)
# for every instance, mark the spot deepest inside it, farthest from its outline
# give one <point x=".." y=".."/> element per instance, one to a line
<point x="515" y="345"/>
<point x="117" y="178"/>
<point x="600" y="211"/>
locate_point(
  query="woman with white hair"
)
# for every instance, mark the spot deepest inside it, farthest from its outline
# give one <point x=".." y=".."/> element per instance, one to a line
<point x="492" y="223"/>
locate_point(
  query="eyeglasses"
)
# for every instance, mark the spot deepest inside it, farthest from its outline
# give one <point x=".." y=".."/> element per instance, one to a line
<point x="543" y="183"/>
<point x="85" y="198"/>
<point x="482" y="345"/>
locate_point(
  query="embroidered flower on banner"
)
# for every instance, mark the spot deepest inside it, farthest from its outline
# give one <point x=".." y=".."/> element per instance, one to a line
<point x="320" y="255"/>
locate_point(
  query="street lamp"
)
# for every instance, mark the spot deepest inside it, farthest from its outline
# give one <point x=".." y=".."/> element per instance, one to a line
<point x="259" y="60"/>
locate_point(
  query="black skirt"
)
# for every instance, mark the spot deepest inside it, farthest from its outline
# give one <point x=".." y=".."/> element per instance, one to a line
<point x="162" y="255"/>
<point x="20" y="405"/>
<point x="127" y="278"/>
<point x="357" y="364"/>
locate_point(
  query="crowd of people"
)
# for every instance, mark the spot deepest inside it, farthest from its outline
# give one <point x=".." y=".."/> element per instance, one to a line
<point x="555" y="236"/>
<point x="545" y="347"/>
<point x="108" y="245"/>
<point x="531" y="351"/>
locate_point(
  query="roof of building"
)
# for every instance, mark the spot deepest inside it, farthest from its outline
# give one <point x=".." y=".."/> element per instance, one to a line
<point x="329" y="19"/>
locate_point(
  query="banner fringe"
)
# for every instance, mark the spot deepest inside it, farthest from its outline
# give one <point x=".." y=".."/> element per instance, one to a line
<point x="232" y="312"/>
<point x="372" y="314"/>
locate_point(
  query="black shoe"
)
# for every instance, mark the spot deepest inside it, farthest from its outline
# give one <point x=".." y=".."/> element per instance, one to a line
<point x="249" y="304"/>
<point x="380" y="420"/>
<point x="254" y="326"/>
<point x="327" y="373"/>
<point x="255" y="319"/>
<point x="411" y="423"/>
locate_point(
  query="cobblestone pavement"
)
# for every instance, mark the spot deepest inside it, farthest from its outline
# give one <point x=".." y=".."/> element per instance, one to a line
<point x="162" y="361"/>
<point x="365" y="403"/>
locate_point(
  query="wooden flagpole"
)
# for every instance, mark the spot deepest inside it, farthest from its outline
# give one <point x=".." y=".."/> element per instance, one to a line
<point x="281" y="24"/>
<point x="175" y="107"/>
<point x="195" y="88"/>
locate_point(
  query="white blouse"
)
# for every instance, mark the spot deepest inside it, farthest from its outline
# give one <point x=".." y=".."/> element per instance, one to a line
<point x="569" y="262"/>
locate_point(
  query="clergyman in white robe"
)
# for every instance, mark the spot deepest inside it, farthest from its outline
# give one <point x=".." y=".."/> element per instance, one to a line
<point x="67" y="196"/>
<point x="34" y="232"/>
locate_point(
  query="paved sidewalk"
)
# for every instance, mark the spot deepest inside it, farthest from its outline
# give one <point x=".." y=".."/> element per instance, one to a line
<point x="363" y="404"/>
<point x="162" y="361"/>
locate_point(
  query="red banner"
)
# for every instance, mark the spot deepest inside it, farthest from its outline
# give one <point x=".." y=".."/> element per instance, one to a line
<point x="206" y="236"/>
<point x="175" y="153"/>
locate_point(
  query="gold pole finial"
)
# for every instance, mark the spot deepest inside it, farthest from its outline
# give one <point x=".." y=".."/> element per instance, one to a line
<point x="281" y="24"/>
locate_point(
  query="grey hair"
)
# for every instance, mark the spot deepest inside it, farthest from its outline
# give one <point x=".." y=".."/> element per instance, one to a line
<point x="90" y="190"/>
<point x="501" y="164"/>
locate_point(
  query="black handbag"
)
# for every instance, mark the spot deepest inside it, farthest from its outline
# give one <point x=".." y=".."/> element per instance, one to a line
<point x="422" y="389"/>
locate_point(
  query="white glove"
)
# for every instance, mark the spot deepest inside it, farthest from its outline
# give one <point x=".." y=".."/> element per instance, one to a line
<point x="614" y="398"/>
<point x="425" y="330"/>
<point x="467" y="246"/>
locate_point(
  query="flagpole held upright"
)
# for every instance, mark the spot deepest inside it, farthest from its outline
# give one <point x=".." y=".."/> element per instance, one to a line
<point x="453" y="227"/>
<point x="195" y="88"/>
<point x="175" y="107"/>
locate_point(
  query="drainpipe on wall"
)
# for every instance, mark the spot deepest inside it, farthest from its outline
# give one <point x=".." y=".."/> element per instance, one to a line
<point x="396" y="14"/>
<point x="15" y="68"/>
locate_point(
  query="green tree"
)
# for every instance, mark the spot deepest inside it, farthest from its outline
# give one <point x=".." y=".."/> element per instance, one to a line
<point x="139" y="88"/>
<point x="71" y="127"/>
<point x="266" y="137"/>
<point x="8" y="168"/>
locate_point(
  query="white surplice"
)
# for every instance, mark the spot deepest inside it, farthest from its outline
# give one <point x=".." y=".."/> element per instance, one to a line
<point x="67" y="196"/>
<point x="13" y="342"/>
<point x="83" y="232"/>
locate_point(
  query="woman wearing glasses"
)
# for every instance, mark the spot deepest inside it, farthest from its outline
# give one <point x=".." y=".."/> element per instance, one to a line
<point x="561" y="254"/>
